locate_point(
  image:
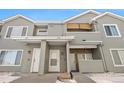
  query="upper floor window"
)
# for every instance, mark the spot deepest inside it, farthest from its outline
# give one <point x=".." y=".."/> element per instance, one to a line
<point x="111" y="30"/>
<point x="42" y="30"/>
<point x="79" y="27"/>
<point x="16" y="31"/>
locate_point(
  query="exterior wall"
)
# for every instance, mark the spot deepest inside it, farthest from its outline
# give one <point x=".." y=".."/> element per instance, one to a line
<point x="10" y="44"/>
<point x="111" y="42"/>
<point x="55" y="29"/>
<point x="79" y="36"/>
<point x="19" y="22"/>
<point x="26" y="57"/>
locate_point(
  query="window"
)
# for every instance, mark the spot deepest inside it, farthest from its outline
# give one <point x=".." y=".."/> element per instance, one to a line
<point x="10" y="57"/>
<point x="118" y="57"/>
<point x="16" y="31"/>
<point x="111" y="30"/>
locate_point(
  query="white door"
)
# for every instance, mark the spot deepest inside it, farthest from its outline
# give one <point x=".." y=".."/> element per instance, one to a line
<point x="54" y="61"/>
<point x="73" y="62"/>
<point x="35" y="60"/>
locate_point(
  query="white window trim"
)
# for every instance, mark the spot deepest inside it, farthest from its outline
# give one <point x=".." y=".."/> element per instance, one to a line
<point x="13" y="50"/>
<point x="119" y="57"/>
<point x="119" y="35"/>
<point x="16" y="36"/>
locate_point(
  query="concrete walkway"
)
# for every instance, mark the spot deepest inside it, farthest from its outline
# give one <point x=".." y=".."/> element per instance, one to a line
<point x="49" y="78"/>
<point x="5" y="77"/>
<point x="109" y="77"/>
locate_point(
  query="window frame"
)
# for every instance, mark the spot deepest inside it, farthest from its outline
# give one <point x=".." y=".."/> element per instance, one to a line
<point x="15" y="36"/>
<point x="13" y="50"/>
<point x="119" y="56"/>
<point x="116" y="26"/>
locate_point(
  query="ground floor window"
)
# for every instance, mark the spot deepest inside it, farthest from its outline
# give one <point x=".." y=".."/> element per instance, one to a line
<point x="117" y="56"/>
<point x="10" y="57"/>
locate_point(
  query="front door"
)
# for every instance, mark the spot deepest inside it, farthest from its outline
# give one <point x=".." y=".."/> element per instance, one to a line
<point x="72" y="62"/>
<point x="54" y="60"/>
<point x="35" y="60"/>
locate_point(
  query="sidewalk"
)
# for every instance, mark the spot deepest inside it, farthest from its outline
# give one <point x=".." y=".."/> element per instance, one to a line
<point x="109" y="77"/>
<point x="49" y="78"/>
<point x="5" y="77"/>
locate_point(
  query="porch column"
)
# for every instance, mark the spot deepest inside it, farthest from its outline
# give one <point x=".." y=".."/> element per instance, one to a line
<point x="68" y="52"/>
<point x="42" y="57"/>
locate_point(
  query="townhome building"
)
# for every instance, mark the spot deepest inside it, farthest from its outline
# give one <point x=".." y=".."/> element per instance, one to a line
<point x="88" y="42"/>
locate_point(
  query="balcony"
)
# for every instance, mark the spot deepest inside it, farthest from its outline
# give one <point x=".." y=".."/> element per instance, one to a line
<point x="79" y="27"/>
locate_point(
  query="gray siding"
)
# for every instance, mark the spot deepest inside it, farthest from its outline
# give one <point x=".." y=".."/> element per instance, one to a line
<point x="10" y="44"/>
<point x="112" y="42"/>
<point x="79" y="36"/>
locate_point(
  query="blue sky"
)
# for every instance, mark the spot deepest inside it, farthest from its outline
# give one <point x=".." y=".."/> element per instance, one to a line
<point x="50" y="14"/>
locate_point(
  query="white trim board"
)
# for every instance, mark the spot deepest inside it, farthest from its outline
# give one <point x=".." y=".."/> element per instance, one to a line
<point x="17" y="16"/>
<point x="86" y="12"/>
<point x="110" y="14"/>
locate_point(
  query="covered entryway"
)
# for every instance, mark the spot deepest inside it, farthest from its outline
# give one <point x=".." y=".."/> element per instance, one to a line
<point x="54" y="53"/>
<point x="57" y="57"/>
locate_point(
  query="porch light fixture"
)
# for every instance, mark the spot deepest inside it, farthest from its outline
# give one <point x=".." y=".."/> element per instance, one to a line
<point x="83" y="40"/>
<point x="29" y="51"/>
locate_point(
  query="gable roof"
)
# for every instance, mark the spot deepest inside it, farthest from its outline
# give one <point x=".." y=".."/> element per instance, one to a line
<point x="110" y="14"/>
<point x="86" y="12"/>
<point x="17" y="16"/>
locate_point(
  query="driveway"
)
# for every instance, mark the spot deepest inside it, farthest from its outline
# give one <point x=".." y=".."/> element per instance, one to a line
<point x="49" y="78"/>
